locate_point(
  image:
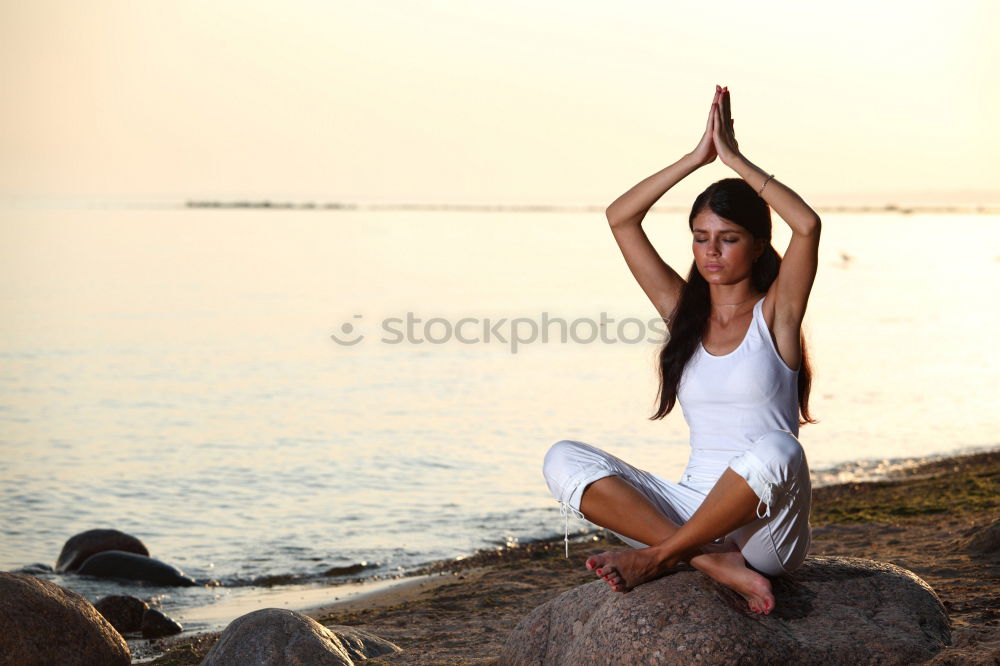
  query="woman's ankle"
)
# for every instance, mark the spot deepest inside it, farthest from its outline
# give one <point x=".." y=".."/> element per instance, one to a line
<point x="666" y="555"/>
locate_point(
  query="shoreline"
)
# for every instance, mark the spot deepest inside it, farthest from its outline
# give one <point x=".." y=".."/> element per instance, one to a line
<point x="461" y="610"/>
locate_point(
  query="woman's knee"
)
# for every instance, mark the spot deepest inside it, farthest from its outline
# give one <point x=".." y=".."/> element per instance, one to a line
<point x="558" y="456"/>
<point x="780" y="448"/>
<point x="558" y="463"/>
<point x="774" y="464"/>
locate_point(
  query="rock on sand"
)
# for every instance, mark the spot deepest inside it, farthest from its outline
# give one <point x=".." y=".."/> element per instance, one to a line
<point x="276" y="637"/>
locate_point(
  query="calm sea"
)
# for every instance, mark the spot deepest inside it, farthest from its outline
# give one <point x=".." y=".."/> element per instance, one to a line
<point x="172" y="373"/>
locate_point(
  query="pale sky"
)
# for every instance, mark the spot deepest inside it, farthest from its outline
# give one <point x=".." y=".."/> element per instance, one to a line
<point x="492" y="102"/>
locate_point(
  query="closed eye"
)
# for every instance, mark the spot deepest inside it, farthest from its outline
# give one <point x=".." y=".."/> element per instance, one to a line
<point x="724" y="240"/>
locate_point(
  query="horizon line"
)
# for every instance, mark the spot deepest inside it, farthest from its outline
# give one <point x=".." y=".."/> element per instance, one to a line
<point x="265" y="203"/>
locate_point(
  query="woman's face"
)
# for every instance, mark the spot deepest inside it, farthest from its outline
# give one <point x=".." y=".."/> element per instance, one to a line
<point x="723" y="251"/>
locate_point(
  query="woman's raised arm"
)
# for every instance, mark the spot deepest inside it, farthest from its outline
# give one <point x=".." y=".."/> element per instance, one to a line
<point x="660" y="282"/>
<point x="789" y="293"/>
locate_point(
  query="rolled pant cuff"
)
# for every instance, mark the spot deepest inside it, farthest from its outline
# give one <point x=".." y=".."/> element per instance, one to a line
<point x="573" y="492"/>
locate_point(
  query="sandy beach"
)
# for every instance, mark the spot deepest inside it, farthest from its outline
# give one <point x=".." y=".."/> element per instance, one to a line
<point x="461" y="612"/>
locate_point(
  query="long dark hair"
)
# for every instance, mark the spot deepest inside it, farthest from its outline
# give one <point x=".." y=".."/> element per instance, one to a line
<point x="737" y="202"/>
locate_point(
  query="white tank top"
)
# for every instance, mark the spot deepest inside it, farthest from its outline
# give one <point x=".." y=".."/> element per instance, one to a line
<point x="729" y="401"/>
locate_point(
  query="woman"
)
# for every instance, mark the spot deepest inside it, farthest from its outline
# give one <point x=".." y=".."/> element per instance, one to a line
<point x="736" y="363"/>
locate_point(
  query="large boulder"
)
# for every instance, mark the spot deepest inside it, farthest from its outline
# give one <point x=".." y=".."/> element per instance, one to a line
<point x="81" y="546"/>
<point x="43" y="623"/>
<point x="279" y="637"/>
<point x="130" y="566"/>
<point x="832" y="610"/>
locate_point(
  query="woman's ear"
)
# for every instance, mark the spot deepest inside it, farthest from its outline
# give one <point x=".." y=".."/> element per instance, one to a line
<point x="759" y="245"/>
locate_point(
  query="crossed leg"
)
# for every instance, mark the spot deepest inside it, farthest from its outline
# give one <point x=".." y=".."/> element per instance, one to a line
<point x="614" y="503"/>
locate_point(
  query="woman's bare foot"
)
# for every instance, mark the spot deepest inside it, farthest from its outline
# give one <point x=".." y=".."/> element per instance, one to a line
<point x="625" y="569"/>
<point x="731" y="570"/>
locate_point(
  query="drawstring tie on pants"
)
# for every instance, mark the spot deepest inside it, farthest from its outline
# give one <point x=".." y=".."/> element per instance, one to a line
<point x="565" y="510"/>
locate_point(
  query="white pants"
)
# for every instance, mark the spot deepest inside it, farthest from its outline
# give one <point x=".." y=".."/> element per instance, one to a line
<point x="774" y="467"/>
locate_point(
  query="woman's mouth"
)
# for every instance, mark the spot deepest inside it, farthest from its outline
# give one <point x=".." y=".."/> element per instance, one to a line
<point x="713" y="267"/>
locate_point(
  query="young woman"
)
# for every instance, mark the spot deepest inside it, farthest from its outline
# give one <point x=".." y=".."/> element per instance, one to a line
<point x="736" y="363"/>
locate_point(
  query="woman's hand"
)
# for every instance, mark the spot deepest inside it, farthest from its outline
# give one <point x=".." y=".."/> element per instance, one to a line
<point x="723" y="135"/>
<point x="706" y="153"/>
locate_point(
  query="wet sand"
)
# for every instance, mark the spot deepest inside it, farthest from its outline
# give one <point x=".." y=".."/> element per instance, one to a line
<point x="462" y="612"/>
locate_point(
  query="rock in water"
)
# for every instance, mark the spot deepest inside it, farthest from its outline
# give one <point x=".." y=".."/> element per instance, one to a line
<point x="35" y="569"/>
<point x="81" y="546"/>
<point x="832" y="610"/>
<point x="43" y="623"/>
<point x="276" y="637"/>
<point x="123" y="612"/>
<point x="129" y="566"/>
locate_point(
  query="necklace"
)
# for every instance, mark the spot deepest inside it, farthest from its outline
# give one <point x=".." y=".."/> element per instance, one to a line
<point x="723" y="305"/>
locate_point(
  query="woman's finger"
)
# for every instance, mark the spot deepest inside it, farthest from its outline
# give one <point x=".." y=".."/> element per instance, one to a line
<point x="716" y="122"/>
<point x="716" y="126"/>
<point x="715" y="100"/>
<point x="722" y="134"/>
<point x="727" y="115"/>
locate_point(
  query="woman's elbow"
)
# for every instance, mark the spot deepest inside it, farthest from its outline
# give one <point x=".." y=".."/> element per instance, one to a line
<point x="610" y="214"/>
<point x="810" y="226"/>
<point x="615" y="217"/>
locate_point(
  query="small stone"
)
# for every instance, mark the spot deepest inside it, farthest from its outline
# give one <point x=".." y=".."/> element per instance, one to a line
<point x="155" y="624"/>
<point x="36" y="568"/>
<point x="123" y="612"/>
<point x="986" y="540"/>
